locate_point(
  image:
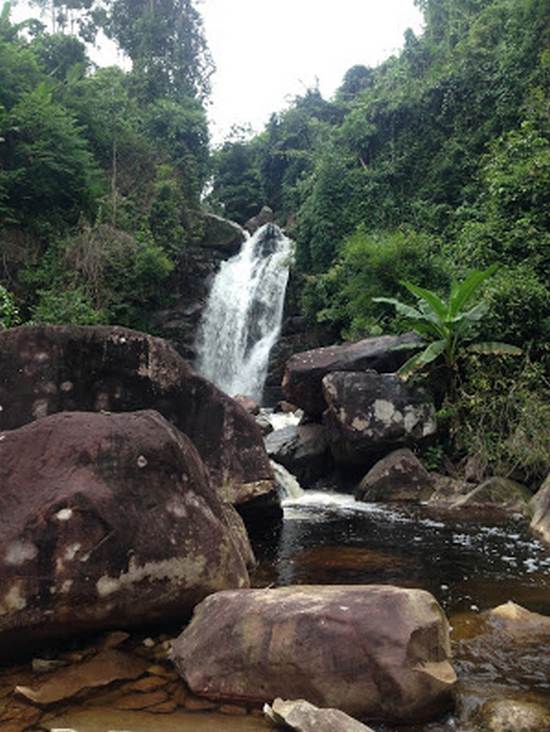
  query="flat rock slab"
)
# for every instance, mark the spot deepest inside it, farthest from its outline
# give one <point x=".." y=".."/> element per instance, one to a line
<point x="375" y="652"/>
<point x="304" y="717"/>
<point x="101" y="719"/>
<point x="102" y="670"/>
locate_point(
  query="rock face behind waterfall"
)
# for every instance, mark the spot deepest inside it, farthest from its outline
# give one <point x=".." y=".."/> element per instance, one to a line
<point x="44" y="370"/>
<point x="375" y="652"/>
<point x="107" y="520"/>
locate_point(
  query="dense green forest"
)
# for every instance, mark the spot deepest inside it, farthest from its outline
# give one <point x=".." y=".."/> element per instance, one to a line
<point x="434" y="163"/>
<point x="430" y="165"/>
<point x="101" y="170"/>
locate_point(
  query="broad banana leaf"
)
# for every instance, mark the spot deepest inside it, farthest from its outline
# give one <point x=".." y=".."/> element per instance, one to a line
<point x="429" y="354"/>
<point x="494" y="348"/>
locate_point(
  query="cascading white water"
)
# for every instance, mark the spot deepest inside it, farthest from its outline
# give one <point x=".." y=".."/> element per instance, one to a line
<point x="242" y="318"/>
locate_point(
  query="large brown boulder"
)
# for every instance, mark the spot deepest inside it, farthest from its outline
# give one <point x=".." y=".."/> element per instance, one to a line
<point x="369" y="414"/>
<point x="302" y="381"/>
<point x="301" y="449"/>
<point x="375" y="652"/>
<point x="400" y="477"/>
<point x="540" y="505"/>
<point x="107" y="520"/>
<point x="46" y="369"/>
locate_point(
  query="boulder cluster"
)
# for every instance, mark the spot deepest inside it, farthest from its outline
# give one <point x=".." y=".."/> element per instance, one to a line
<point x="363" y="422"/>
<point x="120" y="471"/>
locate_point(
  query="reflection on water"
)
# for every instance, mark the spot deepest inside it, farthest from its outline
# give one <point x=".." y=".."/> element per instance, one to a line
<point x="329" y="538"/>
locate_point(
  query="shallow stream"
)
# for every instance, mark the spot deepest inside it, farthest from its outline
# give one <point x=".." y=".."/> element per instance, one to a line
<point x="328" y="538"/>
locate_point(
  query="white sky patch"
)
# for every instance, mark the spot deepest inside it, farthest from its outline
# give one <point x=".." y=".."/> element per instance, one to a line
<point x="267" y="52"/>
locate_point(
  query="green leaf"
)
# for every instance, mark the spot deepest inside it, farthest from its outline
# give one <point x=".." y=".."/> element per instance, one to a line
<point x="433" y="300"/>
<point x="400" y="307"/>
<point x="429" y="354"/>
<point x="475" y="314"/>
<point x="494" y="348"/>
<point x="464" y="292"/>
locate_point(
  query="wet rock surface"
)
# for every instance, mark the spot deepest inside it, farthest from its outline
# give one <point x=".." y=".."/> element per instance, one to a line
<point x="134" y="688"/>
<point x="302" y="382"/>
<point x="508" y="715"/>
<point x="495" y="500"/>
<point x="107" y="519"/>
<point x="398" y="477"/>
<point x="48" y="369"/>
<point x="302" y="716"/>
<point x="540" y="506"/>
<point x="374" y="652"/>
<point x="301" y="449"/>
<point x="370" y="414"/>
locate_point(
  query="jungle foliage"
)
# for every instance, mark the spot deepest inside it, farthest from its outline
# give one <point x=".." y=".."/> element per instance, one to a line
<point x="101" y="170"/>
<point x="428" y="167"/>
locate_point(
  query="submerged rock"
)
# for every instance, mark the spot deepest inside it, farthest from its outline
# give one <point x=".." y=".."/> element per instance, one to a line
<point x="302" y="716"/>
<point x="48" y="369"/>
<point x="376" y="652"/>
<point x="107" y="520"/>
<point x="302" y="381"/>
<point x="301" y="449"/>
<point x="369" y="414"/>
<point x="511" y="715"/>
<point x="495" y="499"/>
<point x="540" y="506"/>
<point x="398" y="477"/>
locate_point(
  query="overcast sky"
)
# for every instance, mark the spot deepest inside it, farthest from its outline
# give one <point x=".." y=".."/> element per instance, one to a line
<point x="267" y="51"/>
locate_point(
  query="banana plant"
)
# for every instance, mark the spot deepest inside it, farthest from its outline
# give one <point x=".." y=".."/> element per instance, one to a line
<point x="449" y="326"/>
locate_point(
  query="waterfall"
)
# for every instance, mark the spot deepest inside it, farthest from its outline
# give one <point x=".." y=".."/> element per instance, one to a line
<point x="288" y="487"/>
<point x="242" y="318"/>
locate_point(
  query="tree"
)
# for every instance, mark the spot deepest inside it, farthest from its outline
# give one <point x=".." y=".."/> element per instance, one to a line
<point x="166" y="43"/>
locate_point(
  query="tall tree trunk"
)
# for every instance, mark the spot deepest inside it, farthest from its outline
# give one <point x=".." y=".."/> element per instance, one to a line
<point x="113" y="183"/>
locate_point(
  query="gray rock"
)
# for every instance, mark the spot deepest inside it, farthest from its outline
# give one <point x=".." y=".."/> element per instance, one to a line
<point x="265" y="216"/>
<point x="370" y="413"/>
<point x="220" y="233"/>
<point x="500" y="494"/>
<point x="540" y="505"/>
<point x="398" y="477"/>
<point x="302" y="449"/>
<point x="302" y="716"/>
<point x="302" y="381"/>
